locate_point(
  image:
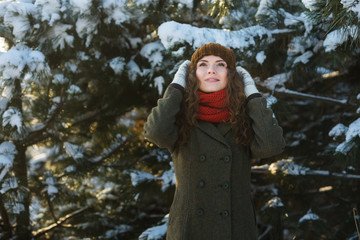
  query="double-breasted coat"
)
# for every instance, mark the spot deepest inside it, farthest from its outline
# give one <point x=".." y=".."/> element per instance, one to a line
<point x="212" y="199"/>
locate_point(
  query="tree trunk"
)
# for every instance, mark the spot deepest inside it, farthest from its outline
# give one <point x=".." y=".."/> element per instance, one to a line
<point x="23" y="228"/>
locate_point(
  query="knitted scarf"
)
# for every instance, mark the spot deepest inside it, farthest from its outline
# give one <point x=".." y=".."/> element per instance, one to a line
<point x="213" y="106"/>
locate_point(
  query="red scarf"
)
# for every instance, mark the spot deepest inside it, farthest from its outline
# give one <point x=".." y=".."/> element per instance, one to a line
<point x="213" y="106"/>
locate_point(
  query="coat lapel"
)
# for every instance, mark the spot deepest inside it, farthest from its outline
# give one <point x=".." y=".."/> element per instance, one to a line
<point x="217" y="133"/>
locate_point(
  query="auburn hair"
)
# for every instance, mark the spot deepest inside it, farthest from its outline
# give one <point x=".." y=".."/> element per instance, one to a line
<point x="236" y="99"/>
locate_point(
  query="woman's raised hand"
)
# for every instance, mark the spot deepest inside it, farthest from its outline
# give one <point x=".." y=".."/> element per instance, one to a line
<point x="249" y="84"/>
<point x="181" y="74"/>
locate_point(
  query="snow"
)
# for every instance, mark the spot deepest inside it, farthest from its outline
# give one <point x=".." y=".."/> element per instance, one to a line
<point x="13" y="117"/>
<point x="17" y="16"/>
<point x="14" y="62"/>
<point x="304" y="58"/>
<point x="287" y="167"/>
<point x="309" y="216"/>
<point x="187" y="3"/>
<point x="73" y="89"/>
<point x="270" y="101"/>
<point x="8" y="184"/>
<point x="159" y="84"/>
<point x="133" y="70"/>
<point x="339" y="36"/>
<point x="86" y="27"/>
<point x="60" y="79"/>
<point x="260" y="57"/>
<point x="117" y="64"/>
<point x="50" y="187"/>
<point x="264" y="8"/>
<point x="157" y="232"/>
<point x="59" y="36"/>
<point x="277" y="80"/>
<point x="275" y="202"/>
<point x="338" y="131"/>
<point x="352" y="5"/>
<point x="350" y="132"/>
<point x="114" y="233"/>
<point x="116" y="11"/>
<point x="152" y="51"/>
<point x="168" y="178"/>
<point x="74" y="151"/>
<point x="49" y="10"/>
<point x="137" y="177"/>
<point x="17" y="208"/>
<point x="310" y="4"/>
<point x="81" y="6"/>
<point x="353" y="130"/>
<point x="172" y="33"/>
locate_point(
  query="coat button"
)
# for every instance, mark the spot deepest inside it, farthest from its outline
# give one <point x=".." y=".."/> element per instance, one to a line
<point x="202" y="158"/>
<point x="224" y="213"/>
<point x="226" y="159"/>
<point x="225" y="185"/>
<point x="200" y="212"/>
<point x="201" y="184"/>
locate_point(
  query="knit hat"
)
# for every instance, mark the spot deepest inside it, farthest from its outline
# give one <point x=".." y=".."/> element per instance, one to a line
<point x="213" y="49"/>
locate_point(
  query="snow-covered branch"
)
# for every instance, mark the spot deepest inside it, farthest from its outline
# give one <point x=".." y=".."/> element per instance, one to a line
<point x="172" y="33"/>
<point x="276" y="85"/>
<point x="288" y="167"/>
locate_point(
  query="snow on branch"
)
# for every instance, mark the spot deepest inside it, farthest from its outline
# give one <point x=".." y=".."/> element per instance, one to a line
<point x="167" y="178"/>
<point x="351" y="133"/>
<point x="309" y="216"/>
<point x="172" y="33"/>
<point x="288" y="167"/>
<point x="157" y="232"/>
<point x="339" y="36"/>
<point x="276" y="84"/>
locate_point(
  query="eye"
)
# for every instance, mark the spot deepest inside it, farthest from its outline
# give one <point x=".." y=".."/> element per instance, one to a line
<point x="202" y="64"/>
<point x="222" y="64"/>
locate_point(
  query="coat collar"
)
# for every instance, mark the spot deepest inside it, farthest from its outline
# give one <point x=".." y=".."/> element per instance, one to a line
<point x="216" y="132"/>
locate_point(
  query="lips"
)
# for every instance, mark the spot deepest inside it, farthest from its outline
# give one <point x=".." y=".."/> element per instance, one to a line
<point x="212" y="80"/>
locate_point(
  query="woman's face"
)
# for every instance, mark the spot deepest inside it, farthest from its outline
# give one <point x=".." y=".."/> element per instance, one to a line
<point x="211" y="71"/>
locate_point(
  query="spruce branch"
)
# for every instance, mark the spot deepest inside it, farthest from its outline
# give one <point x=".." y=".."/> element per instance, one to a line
<point x="321" y="173"/>
<point x="284" y="92"/>
<point x="6" y="33"/>
<point x="42" y="231"/>
<point x="38" y="135"/>
<point x="5" y="219"/>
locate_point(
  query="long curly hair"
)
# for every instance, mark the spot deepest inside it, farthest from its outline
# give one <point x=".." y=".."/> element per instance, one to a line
<point x="236" y="99"/>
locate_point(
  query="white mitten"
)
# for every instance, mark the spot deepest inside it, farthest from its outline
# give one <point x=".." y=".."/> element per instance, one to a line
<point x="249" y="84"/>
<point x="180" y="75"/>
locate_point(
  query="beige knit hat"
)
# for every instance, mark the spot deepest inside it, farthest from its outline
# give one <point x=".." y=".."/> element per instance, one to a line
<point x="213" y="49"/>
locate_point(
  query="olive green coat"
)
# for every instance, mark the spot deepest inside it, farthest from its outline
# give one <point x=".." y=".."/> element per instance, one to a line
<point x="212" y="199"/>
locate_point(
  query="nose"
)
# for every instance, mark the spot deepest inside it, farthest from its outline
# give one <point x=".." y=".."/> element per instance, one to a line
<point x="211" y="69"/>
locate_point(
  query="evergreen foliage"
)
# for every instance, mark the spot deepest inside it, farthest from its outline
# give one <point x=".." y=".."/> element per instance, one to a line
<point x="78" y="78"/>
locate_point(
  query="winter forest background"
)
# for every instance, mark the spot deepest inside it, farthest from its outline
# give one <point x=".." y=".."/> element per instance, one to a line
<point x="78" y="78"/>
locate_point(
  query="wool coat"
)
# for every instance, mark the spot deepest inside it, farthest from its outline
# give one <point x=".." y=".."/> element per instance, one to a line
<point x="212" y="199"/>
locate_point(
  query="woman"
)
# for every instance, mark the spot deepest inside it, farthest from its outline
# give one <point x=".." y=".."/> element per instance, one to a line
<point x="213" y="121"/>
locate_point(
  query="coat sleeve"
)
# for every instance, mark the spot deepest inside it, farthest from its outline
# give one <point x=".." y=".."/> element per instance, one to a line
<point x="268" y="140"/>
<point x="160" y="127"/>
